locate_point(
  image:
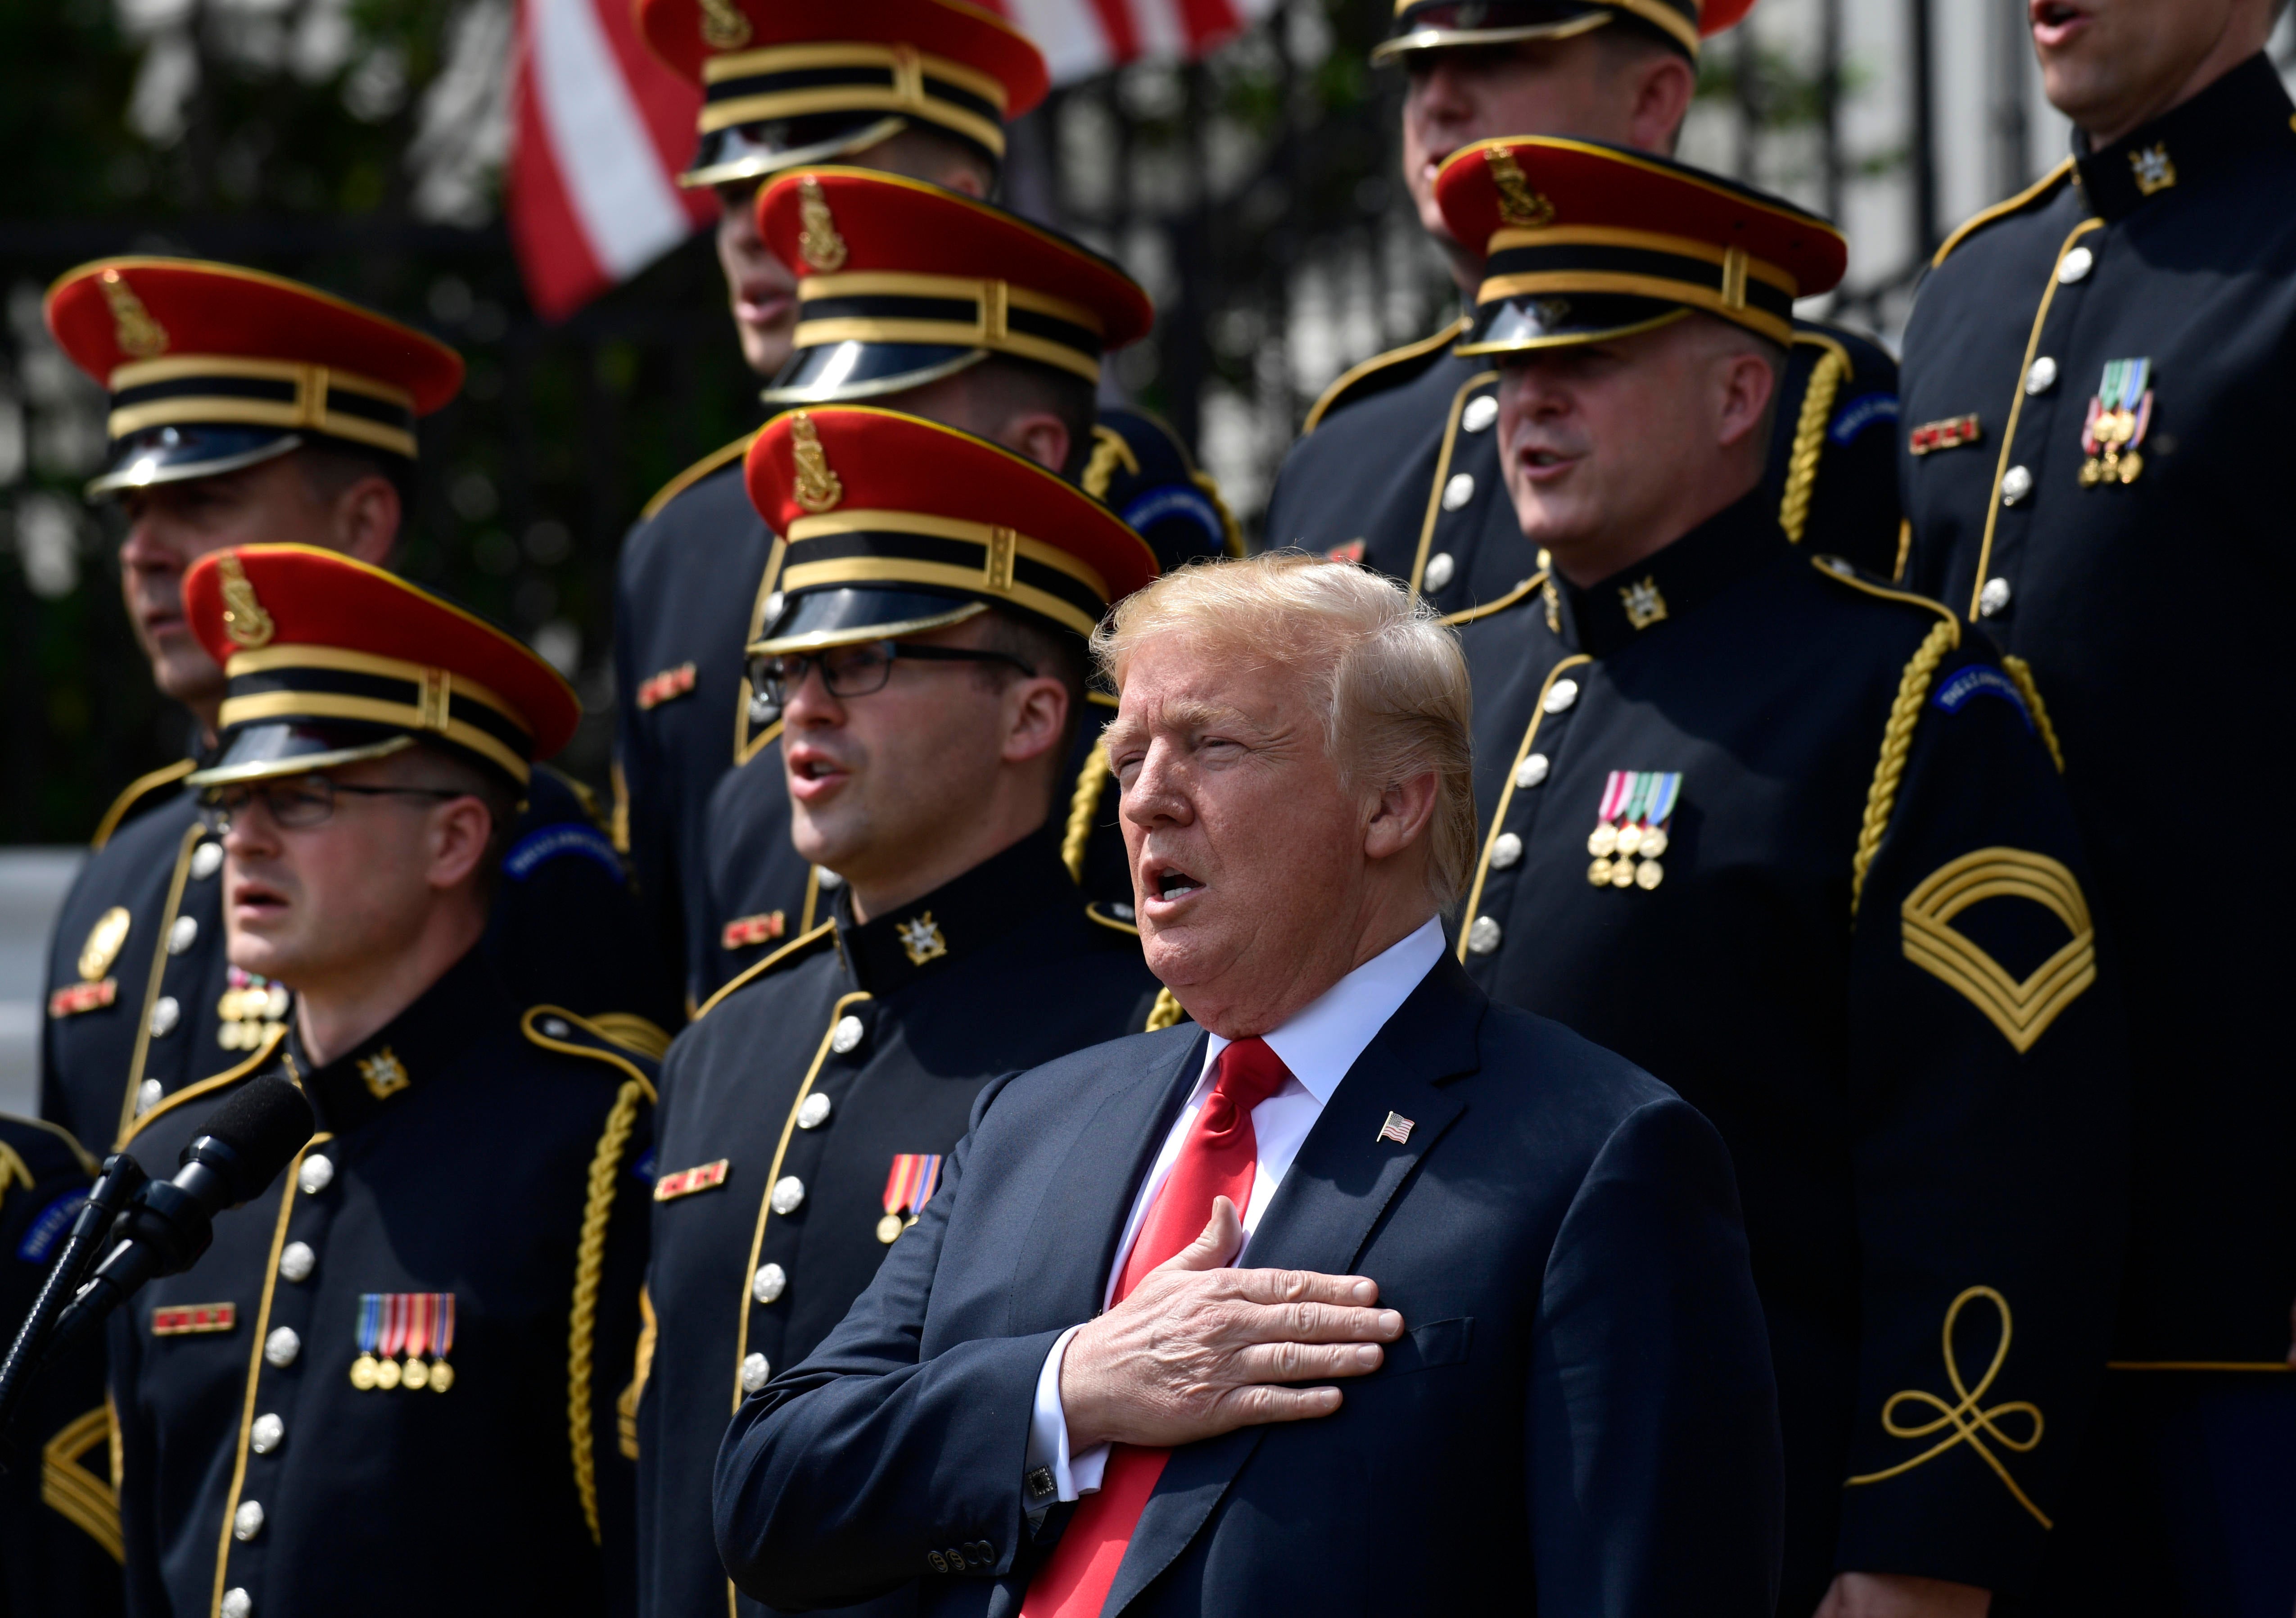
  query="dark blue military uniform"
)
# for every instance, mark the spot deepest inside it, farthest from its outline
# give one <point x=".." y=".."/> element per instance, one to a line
<point x="2097" y="406"/>
<point x="471" y="1214"/>
<point x="142" y="1002"/>
<point x="1849" y="924"/>
<point x="1399" y="467"/>
<point x="762" y="894"/>
<point x="786" y="1108"/>
<point x="59" y="1515"/>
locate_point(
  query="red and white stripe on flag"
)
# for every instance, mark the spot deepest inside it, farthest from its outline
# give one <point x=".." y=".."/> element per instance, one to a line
<point x="1081" y="37"/>
<point x="599" y="132"/>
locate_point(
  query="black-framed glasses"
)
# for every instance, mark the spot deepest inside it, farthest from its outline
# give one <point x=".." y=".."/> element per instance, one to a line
<point x="299" y="801"/>
<point x="858" y="670"/>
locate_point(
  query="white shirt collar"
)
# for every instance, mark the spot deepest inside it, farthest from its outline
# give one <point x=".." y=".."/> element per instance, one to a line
<point x="1321" y="1041"/>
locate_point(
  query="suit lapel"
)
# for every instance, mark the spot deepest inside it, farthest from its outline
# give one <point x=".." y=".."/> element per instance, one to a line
<point x="1080" y="1217"/>
<point x="1337" y="1187"/>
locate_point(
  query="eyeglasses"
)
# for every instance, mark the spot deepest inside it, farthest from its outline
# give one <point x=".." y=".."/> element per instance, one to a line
<point x="304" y="801"/>
<point x="858" y="670"/>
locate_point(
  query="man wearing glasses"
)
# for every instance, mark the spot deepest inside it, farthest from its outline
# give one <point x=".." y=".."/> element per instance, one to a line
<point x="928" y="656"/>
<point x="390" y="1365"/>
<point x="249" y="409"/>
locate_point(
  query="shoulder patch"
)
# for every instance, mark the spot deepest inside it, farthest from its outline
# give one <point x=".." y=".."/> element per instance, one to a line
<point x="545" y="843"/>
<point x="2036" y="191"/>
<point x="1859" y="414"/>
<point x="1380" y="372"/>
<point x="693" y="474"/>
<point x="554" y="1028"/>
<point x="796" y="949"/>
<point x="131" y="798"/>
<point x="1957" y="691"/>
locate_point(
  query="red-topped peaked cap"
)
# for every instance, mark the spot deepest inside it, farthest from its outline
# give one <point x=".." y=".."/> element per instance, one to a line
<point x="1582" y="241"/>
<point x="896" y="525"/>
<point x="803" y="81"/>
<point x="1436" y="25"/>
<point x="211" y="367"/>
<point x="326" y="660"/>
<point x="900" y="282"/>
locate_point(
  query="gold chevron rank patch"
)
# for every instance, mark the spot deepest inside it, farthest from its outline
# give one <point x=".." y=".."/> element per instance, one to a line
<point x="2023" y="1010"/>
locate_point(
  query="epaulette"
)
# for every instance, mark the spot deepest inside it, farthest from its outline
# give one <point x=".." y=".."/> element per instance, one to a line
<point x="1381" y="372"/>
<point x="801" y="947"/>
<point x="1106" y="915"/>
<point x="1848" y="574"/>
<point x="139" y="789"/>
<point x="554" y="1028"/>
<point x="695" y="473"/>
<point x="2024" y="199"/>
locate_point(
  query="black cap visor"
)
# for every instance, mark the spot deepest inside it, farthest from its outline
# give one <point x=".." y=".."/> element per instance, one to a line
<point x="843" y="615"/>
<point x="1462" y="23"/>
<point x="751" y="151"/>
<point x="833" y="372"/>
<point x="177" y="453"/>
<point x="1525" y="324"/>
<point x="270" y="749"/>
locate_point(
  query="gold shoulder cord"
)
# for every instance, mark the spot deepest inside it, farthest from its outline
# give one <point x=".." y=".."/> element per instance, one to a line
<point x="1078" y="836"/>
<point x="67" y="1488"/>
<point x="2021" y="672"/>
<point x="1165" y="1014"/>
<point x="1897" y="741"/>
<point x="589" y="1266"/>
<point x="1809" y="439"/>
<point x="626" y="1404"/>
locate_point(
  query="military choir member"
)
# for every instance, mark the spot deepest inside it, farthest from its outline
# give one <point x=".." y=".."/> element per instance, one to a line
<point x="246" y="408"/>
<point x="1399" y="468"/>
<point x="1794" y="842"/>
<point x="927" y="653"/>
<point x="2096" y="375"/>
<point x="922" y="300"/>
<point x="59" y="1509"/>
<point x="391" y="1380"/>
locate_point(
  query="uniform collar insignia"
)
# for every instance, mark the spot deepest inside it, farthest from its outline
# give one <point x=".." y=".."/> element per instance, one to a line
<point x="420" y="1044"/>
<point x="1671" y="585"/>
<point x="2210" y="134"/>
<point x="961" y="917"/>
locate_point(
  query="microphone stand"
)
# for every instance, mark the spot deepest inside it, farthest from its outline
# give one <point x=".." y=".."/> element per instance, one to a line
<point x="121" y="1179"/>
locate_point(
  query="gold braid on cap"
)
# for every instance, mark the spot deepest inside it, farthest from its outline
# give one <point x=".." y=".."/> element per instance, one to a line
<point x="244" y="617"/>
<point x="818" y="488"/>
<point x="818" y="242"/>
<point x="1520" y="206"/>
<point x="723" y="25"/>
<point x="139" y="336"/>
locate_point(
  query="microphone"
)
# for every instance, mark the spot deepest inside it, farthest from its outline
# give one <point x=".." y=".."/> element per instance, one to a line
<point x="250" y="1138"/>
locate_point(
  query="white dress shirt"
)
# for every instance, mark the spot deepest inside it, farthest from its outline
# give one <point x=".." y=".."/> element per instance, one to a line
<point x="1319" y="1045"/>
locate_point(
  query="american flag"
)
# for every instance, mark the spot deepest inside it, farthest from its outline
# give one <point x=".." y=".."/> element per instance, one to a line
<point x="1397" y="1128"/>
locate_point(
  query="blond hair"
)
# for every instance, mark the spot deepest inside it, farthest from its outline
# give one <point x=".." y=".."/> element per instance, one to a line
<point x="1391" y="680"/>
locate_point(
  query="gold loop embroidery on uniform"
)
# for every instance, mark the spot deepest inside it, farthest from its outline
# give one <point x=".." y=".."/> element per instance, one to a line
<point x="138" y="335"/>
<point x="589" y="1267"/>
<point x="245" y="620"/>
<point x="818" y="488"/>
<point x="817" y="241"/>
<point x="1520" y="206"/>
<point x="1077" y="836"/>
<point x="1809" y="442"/>
<point x="1897" y="741"/>
<point x="1108" y="452"/>
<point x="2021" y="672"/>
<point x="725" y="27"/>
<point x="2022" y="1010"/>
<point x="1970" y="1423"/>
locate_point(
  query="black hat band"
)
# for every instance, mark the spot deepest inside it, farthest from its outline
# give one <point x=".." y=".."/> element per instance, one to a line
<point x="1725" y="281"/>
<point x="220" y="389"/>
<point x="305" y="682"/>
<point x="794" y="81"/>
<point x="986" y="563"/>
<point x="954" y="311"/>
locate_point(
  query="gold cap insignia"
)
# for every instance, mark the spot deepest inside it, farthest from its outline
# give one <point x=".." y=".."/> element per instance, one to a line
<point x="723" y="25"/>
<point x="384" y="1073"/>
<point x="244" y="617"/>
<point x="921" y="939"/>
<point x="103" y="941"/>
<point x="138" y="334"/>
<point x="818" y="488"/>
<point x="818" y="242"/>
<point x="1520" y="208"/>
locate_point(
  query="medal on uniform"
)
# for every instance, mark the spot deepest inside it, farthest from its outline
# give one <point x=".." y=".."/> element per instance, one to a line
<point x="394" y="1338"/>
<point x="250" y="1010"/>
<point x="370" y="1337"/>
<point x="415" y="1374"/>
<point x="2118" y="417"/>
<point x="1631" y="832"/>
<point x="908" y="1187"/>
<point x="442" y="1340"/>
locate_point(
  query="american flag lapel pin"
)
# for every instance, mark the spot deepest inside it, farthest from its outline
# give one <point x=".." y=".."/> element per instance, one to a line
<point x="1397" y="1128"/>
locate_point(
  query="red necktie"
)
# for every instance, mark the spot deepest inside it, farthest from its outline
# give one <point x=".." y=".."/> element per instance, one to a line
<point x="1218" y="1158"/>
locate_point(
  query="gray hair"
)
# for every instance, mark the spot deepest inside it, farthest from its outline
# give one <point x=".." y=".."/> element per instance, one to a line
<point x="1393" y="683"/>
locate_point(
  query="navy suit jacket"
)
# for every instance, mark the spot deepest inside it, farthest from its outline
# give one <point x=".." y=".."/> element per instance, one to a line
<point x="1581" y="1415"/>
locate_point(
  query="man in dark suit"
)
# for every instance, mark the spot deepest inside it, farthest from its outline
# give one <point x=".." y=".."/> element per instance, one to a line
<point x="1064" y="1395"/>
